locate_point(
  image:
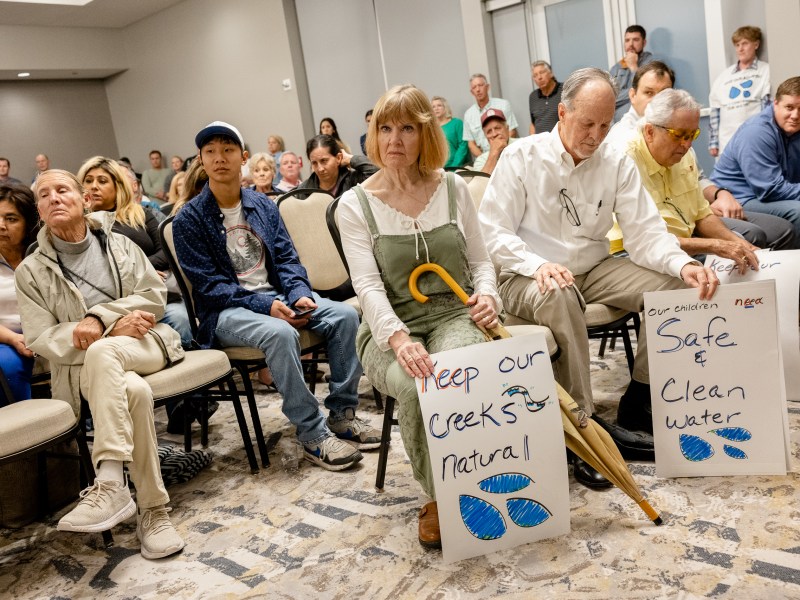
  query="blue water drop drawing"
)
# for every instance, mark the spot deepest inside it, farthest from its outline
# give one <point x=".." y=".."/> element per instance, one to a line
<point x="526" y="512"/>
<point x="747" y="83"/>
<point x="746" y="94"/>
<point x="734" y="434"/>
<point x="481" y="519"/>
<point x="531" y="404"/>
<point x="505" y="483"/>
<point x="734" y="93"/>
<point x="694" y="448"/>
<point x="734" y="452"/>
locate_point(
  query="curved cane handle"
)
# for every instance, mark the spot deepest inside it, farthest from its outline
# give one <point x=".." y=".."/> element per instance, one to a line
<point x="419" y="296"/>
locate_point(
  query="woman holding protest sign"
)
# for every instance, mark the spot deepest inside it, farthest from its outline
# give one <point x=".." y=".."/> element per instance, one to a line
<point x="411" y="212"/>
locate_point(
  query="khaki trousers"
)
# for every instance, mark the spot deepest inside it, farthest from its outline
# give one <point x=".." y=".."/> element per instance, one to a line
<point x="122" y="408"/>
<point x="616" y="282"/>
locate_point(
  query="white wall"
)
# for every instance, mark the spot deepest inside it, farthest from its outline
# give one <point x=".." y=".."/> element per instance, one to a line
<point x="24" y="48"/>
<point x="68" y="121"/>
<point x="783" y="25"/>
<point x="200" y="61"/>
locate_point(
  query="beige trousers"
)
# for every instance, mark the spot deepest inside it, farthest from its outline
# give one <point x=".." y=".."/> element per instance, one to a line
<point x="122" y="408"/>
<point x="614" y="282"/>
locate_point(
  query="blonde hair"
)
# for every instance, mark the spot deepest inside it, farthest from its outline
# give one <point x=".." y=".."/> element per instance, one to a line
<point x="196" y="177"/>
<point x="172" y="195"/>
<point x="448" y="113"/>
<point x="408" y="104"/>
<point x="279" y="139"/>
<point x="262" y="157"/>
<point x="127" y="211"/>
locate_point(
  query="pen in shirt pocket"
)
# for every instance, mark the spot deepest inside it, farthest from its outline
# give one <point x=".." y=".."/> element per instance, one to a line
<point x="599" y="206"/>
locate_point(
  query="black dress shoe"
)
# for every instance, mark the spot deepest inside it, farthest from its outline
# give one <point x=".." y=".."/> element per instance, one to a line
<point x="633" y="445"/>
<point x="587" y="475"/>
<point x="635" y="410"/>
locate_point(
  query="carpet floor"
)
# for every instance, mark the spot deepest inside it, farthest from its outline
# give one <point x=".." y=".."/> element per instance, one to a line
<point x="297" y="531"/>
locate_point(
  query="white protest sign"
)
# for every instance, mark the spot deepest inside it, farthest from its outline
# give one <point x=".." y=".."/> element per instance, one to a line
<point x="719" y="405"/>
<point x="497" y="448"/>
<point x="784" y="267"/>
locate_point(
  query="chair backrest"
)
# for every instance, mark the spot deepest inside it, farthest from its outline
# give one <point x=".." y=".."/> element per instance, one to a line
<point x="469" y="174"/>
<point x="333" y="228"/>
<point x="168" y="245"/>
<point x="477" y="187"/>
<point x="305" y="220"/>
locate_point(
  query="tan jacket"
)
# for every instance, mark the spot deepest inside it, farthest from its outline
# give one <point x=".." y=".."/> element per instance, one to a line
<point x="51" y="306"/>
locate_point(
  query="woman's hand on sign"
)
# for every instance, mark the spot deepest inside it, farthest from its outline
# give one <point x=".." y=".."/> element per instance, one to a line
<point x="483" y="311"/>
<point x="411" y="355"/>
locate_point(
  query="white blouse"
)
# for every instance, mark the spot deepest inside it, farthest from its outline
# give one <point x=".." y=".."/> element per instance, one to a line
<point x="364" y="271"/>
<point x="9" y="310"/>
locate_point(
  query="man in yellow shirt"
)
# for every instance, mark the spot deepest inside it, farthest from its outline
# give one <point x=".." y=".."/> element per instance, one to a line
<point x="669" y="174"/>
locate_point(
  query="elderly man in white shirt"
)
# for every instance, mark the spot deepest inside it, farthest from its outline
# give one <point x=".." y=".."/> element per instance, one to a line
<point x="545" y="216"/>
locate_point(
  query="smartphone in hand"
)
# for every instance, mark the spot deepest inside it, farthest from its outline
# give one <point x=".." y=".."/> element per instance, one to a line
<point x="299" y="313"/>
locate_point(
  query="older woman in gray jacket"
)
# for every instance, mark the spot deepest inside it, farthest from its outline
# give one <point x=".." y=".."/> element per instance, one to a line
<point x="90" y="302"/>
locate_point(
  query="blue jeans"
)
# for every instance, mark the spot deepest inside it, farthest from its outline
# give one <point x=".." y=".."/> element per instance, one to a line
<point x="280" y="342"/>
<point x="786" y="209"/>
<point x="17" y="369"/>
<point x="175" y="316"/>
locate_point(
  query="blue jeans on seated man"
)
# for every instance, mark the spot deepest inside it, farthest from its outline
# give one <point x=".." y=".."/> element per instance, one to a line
<point x="17" y="370"/>
<point x="280" y="342"/>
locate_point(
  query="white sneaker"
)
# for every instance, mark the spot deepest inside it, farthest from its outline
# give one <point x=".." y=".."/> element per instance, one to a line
<point x="332" y="454"/>
<point x="157" y="534"/>
<point x="102" y="505"/>
<point x="356" y="431"/>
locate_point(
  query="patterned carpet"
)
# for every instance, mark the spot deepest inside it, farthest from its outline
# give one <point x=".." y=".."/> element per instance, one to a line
<point x="292" y="532"/>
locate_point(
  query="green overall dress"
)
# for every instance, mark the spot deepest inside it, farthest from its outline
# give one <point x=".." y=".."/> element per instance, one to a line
<point x="442" y="323"/>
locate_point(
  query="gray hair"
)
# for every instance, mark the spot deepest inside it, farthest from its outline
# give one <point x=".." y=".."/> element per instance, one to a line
<point x="666" y="103"/>
<point x="542" y="63"/>
<point x="261" y="157"/>
<point x="478" y="76"/>
<point x="580" y="78"/>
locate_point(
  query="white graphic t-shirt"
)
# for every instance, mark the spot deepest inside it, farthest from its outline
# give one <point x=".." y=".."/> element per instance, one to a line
<point x="245" y="249"/>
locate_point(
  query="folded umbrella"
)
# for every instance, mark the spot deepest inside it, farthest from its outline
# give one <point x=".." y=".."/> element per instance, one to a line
<point x="582" y="434"/>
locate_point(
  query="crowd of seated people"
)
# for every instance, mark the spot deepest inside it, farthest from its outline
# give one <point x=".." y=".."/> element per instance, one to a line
<point x="110" y="272"/>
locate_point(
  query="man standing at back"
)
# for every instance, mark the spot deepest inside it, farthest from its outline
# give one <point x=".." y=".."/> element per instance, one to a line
<point x="624" y="70"/>
<point x="251" y="290"/>
<point x="545" y="215"/>
<point x="154" y="177"/>
<point x="473" y="132"/>
<point x="543" y="101"/>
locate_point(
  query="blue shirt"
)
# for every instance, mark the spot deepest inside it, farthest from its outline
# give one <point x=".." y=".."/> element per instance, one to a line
<point x="200" y="244"/>
<point x="761" y="162"/>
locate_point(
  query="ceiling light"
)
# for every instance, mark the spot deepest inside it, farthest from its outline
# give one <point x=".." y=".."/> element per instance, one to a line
<point x="25" y="74"/>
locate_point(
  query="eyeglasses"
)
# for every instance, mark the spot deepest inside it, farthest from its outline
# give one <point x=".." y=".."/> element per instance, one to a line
<point x="681" y="135"/>
<point x="669" y="203"/>
<point x="569" y="206"/>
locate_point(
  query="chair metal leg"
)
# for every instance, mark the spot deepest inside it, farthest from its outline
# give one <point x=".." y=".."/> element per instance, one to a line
<point x="603" y="341"/>
<point x="248" y="443"/>
<point x="626" y="340"/>
<point x="187" y="426"/>
<point x="378" y="398"/>
<point x="251" y="401"/>
<point x="386" y="440"/>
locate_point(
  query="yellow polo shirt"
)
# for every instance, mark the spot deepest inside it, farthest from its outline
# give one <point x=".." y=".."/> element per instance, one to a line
<point x="675" y="190"/>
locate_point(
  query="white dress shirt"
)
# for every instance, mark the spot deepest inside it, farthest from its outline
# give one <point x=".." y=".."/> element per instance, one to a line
<point x="623" y="131"/>
<point x="525" y="225"/>
<point x="364" y="271"/>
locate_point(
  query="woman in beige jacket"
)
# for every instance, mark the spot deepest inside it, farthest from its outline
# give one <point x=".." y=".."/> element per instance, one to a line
<point x="90" y="302"/>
